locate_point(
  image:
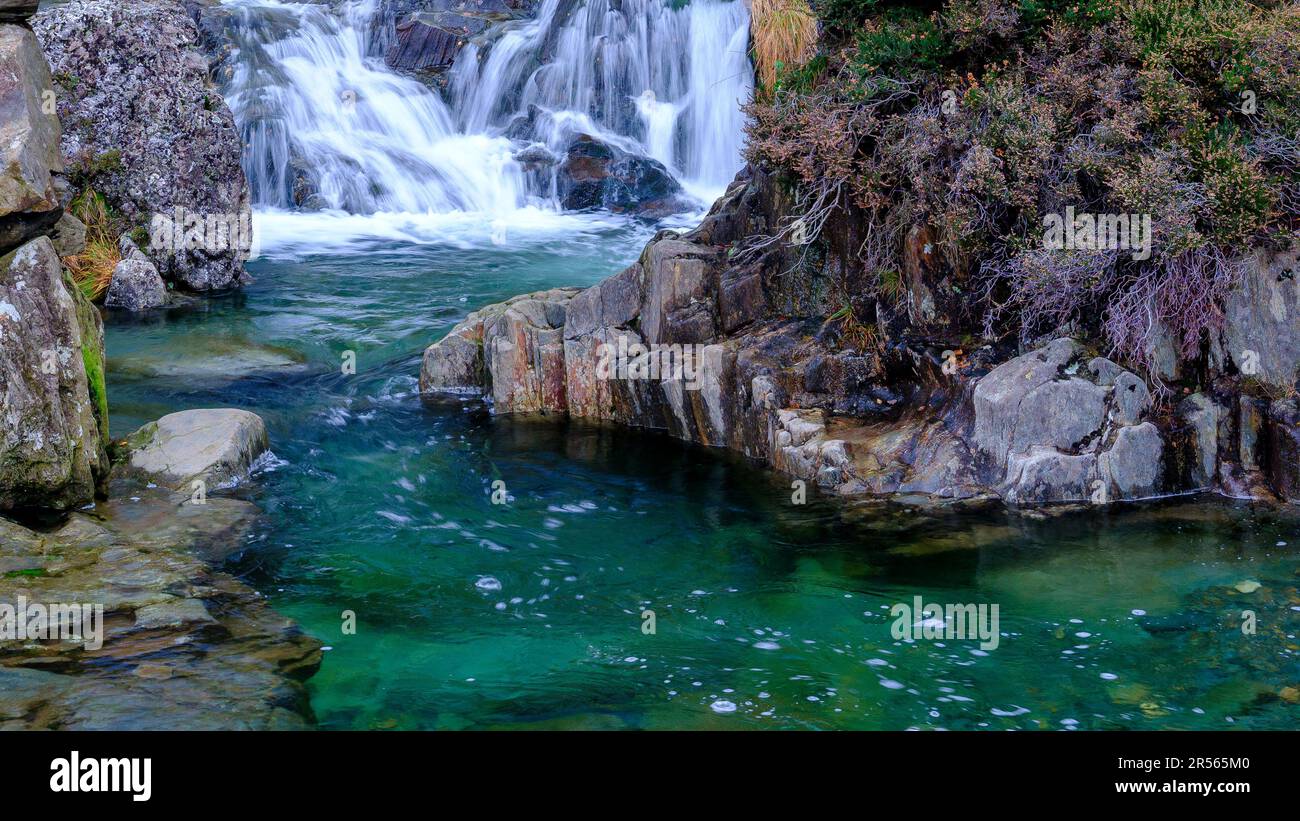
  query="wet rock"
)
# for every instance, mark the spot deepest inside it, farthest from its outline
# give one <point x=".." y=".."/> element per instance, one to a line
<point x="595" y="174"/>
<point x="143" y="120"/>
<point x="1283" y="448"/>
<point x="55" y="417"/>
<point x="183" y="645"/>
<point x="30" y="162"/>
<point x="217" y="446"/>
<point x="1203" y="414"/>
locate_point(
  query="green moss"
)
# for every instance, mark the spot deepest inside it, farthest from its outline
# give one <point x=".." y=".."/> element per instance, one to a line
<point x="29" y="573"/>
<point x="94" y="362"/>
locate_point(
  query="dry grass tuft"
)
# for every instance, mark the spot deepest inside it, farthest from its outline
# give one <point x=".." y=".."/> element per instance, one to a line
<point x="92" y="269"/>
<point x="784" y="34"/>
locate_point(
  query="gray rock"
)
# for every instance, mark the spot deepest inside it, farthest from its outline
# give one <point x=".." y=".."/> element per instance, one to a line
<point x="1135" y="462"/>
<point x="29" y="138"/>
<point x="136" y="286"/>
<point x="596" y="174"/>
<point x="217" y="446"/>
<point x="1203" y="415"/>
<point x="54" y="419"/>
<point x="1131" y="399"/>
<point x="68" y="236"/>
<point x="1261" y="332"/>
<point x="138" y="106"/>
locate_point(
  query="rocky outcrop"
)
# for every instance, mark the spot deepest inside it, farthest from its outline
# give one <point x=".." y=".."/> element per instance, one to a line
<point x="143" y="123"/>
<point x="726" y="344"/>
<point x="1053" y="425"/>
<point x="55" y="412"/>
<point x="182" y="645"/>
<point x="1261" y="334"/>
<point x="215" y="446"/>
<point x="30" y="162"/>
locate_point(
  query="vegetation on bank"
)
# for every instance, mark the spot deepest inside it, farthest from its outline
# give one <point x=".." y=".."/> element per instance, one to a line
<point x="975" y="119"/>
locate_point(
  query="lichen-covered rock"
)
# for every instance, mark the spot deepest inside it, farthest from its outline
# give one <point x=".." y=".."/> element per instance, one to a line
<point x="54" y="420"/>
<point x="141" y="116"/>
<point x="136" y="286"/>
<point x="216" y="446"/>
<point x="30" y="162"/>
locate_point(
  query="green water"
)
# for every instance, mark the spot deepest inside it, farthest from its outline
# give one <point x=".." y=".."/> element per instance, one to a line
<point x="767" y="614"/>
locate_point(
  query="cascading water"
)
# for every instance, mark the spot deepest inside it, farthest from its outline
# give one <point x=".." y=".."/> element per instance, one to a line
<point x="311" y="103"/>
<point x="671" y="79"/>
<point x="328" y="125"/>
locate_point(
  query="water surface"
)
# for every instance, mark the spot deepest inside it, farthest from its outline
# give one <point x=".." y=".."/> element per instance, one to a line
<point x="767" y="614"/>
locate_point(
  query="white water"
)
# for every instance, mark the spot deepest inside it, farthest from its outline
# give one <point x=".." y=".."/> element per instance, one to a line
<point x="312" y="103"/>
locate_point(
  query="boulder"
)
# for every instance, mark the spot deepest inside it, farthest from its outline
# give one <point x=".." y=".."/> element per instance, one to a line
<point x="30" y="162"/>
<point x="1050" y="428"/>
<point x="144" y="123"/>
<point x="136" y="286"/>
<point x="55" y="411"/>
<point x="216" y="446"/>
<point x="596" y="174"/>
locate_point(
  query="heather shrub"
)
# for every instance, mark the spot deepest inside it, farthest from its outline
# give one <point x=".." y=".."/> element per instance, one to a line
<point x="975" y="119"/>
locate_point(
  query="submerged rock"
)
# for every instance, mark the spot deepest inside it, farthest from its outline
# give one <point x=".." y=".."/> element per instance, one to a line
<point x="143" y="121"/>
<point x="30" y="162"/>
<point x="55" y="413"/>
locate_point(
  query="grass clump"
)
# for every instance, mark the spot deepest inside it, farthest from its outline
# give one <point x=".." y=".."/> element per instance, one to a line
<point x="92" y="269"/>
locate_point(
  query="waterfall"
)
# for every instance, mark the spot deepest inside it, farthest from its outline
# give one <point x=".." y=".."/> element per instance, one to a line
<point x="326" y="124"/>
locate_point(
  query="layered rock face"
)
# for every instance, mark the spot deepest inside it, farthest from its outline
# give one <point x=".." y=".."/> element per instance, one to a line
<point x="826" y="402"/>
<point x="144" y="123"/>
<point x="30" y="162"/>
<point x="55" y="412"/>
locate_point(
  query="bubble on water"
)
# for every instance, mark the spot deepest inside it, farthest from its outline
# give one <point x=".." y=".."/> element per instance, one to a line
<point x="1015" y="710"/>
<point x="766" y="645"/>
<point x="1083" y="634"/>
<point x="723" y="706"/>
<point x="877" y="662"/>
<point x="487" y="583"/>
<point x="1139" y="612"/>
<point x="1108" y="676"/>
<point x="890" y="684"/>
<point x="393" y="517"/>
